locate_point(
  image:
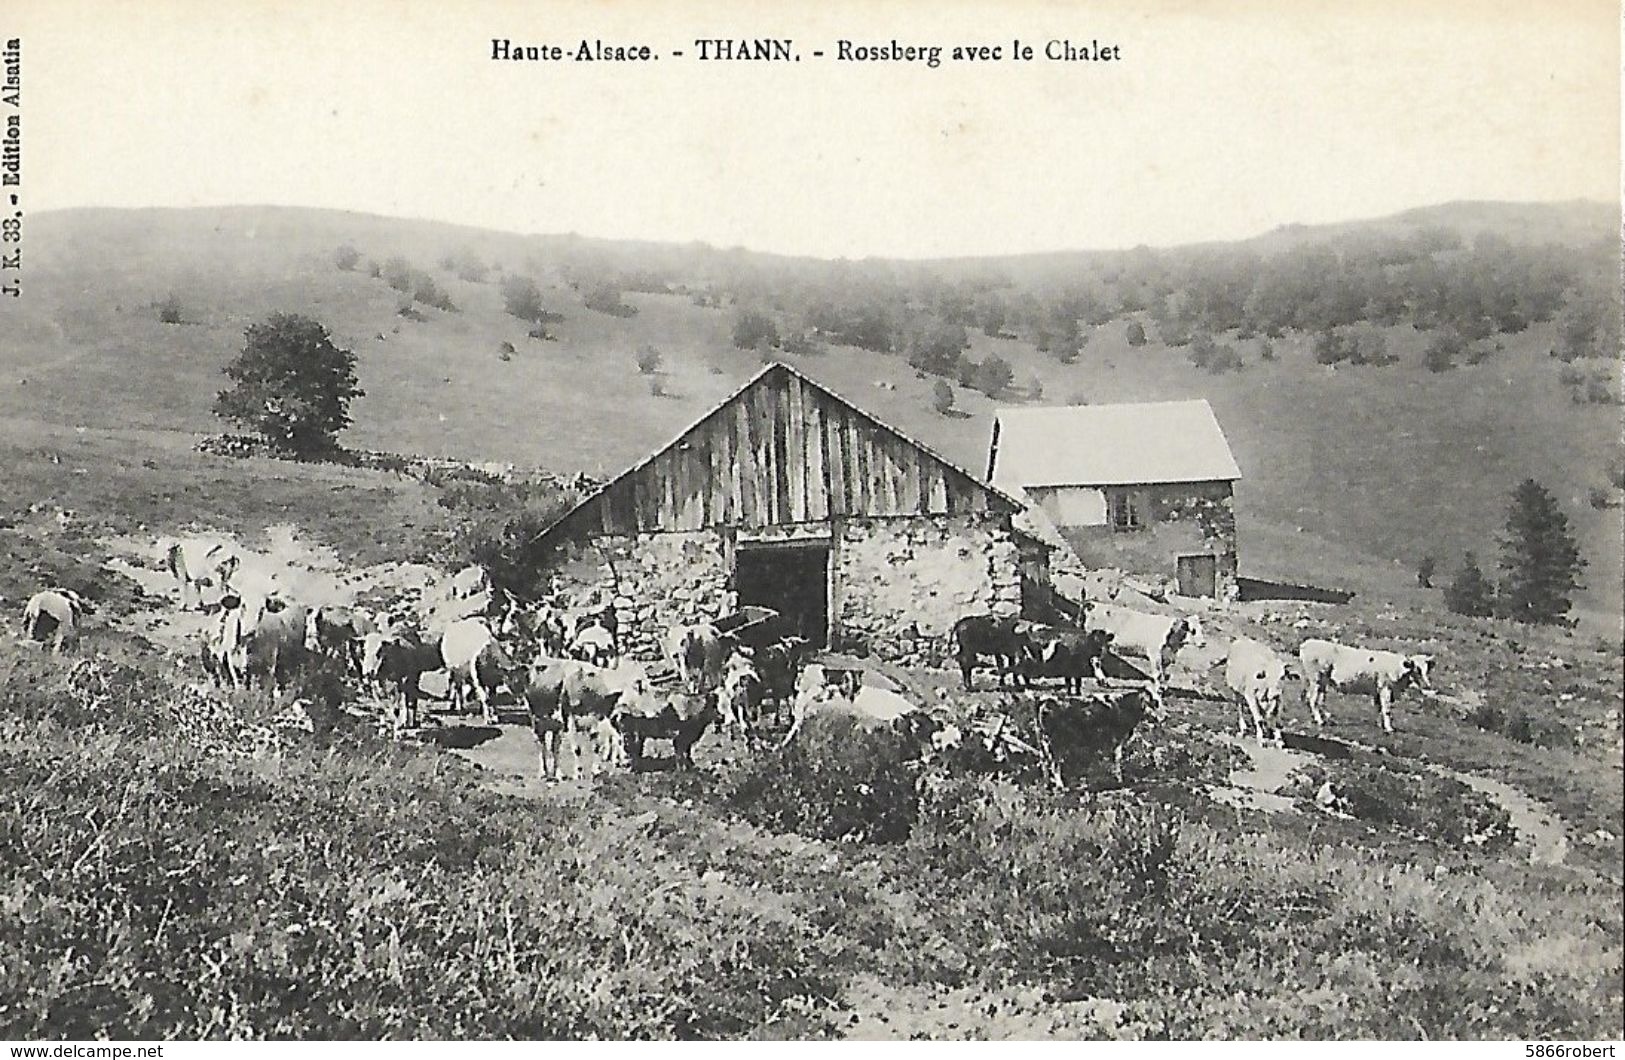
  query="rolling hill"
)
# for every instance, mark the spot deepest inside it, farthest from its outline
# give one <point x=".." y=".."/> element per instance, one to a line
<point x="1351" y="473"/>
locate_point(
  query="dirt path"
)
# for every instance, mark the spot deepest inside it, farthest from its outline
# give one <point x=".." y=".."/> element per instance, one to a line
<point x="1257" y="787"/>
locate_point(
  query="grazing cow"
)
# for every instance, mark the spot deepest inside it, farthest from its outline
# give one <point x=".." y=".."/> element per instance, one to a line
<point x="54" y="614"/>
<point x="1154" y="638"/>
<point x="1255" y="672"/>
<point x="339" y="632"/>
<point x="397" y="661"/>
<point x="1067" y="654"/>
<point x="464" y="647"/>
<point x="699" y="652"/>
<point x="997" y="636"/>
<point x="197" y="563"/>
<point x="1381" y="674"/>
<point x="276" y="638"/>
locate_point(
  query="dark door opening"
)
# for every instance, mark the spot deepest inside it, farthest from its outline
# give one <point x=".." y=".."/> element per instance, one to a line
<point x="1198" y="575"/>
<point x="791" y="579"/>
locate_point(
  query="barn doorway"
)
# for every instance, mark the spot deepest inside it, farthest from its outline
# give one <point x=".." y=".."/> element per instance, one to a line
<point x="792" y="579"/>
<point x="1198" y="575"/>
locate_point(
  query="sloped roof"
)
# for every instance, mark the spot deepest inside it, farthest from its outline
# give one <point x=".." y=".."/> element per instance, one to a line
<point x="1109" y="445"/>
<point x="998" y="499"/>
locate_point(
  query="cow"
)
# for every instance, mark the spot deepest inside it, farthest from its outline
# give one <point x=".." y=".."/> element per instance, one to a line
<point x="698" y="651"/>
<point x="681" y="718"/>
<point x="997" y="636"/>
<point x="339" y="632"/>
<point x="594" y="644"/>
<point x="1154" y="638"/>
<point x="1092" y="725"/>
<point x="465" y="646"/>
<point x="778" y="665"/>
<point x="54" y="615"/>
<point x="816" y="692"/>
<point x="275" y="629"/>
<point x="1067" y="654"/>
<point x="542" y="626"/>
<point x="578" y="698"/>
<point x="198" y="563"/>
<point x="397" y="661"/>
<point x="1254" y="672"/>
<point x="1381" y="674"/>
<point x="739" y="698"/>
<point x="225" y="642"/>
<point x="602" y="615"/>
<point x="470" y="581"/>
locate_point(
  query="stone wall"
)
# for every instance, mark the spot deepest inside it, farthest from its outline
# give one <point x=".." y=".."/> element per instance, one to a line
<point x="1178" y="519"/>
<point x="901" y="584"/>
<point x="656" y="581"/>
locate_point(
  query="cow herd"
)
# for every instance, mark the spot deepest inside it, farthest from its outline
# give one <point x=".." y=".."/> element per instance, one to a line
<point x="567" y="668"/>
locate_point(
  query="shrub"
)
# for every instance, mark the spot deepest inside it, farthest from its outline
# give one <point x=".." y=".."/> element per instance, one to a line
<point x="606" y="298"/>
<point x="1442" y="351"/>
<point x="801" y="344"/>
<point x="993" y="375"/>
<point x="648" y="360"/>
<point x="1035" y="389"/>
<point x="425" y="290"/>
<point x="374" y="270"/>
<point x="942" y="397"/>
<point x="1469" y="592"/>
<point x="657" y="386"/>
<point x="346" y="257"/>
<point x="169" y="310"/>
<point x="523" y="299"/>
<point x="399" y="274"/>
<point x="505" y="351"/>
<point x="1599" y="498"/>
<point x="1266" y="350"/>
<point x="1424" y="571"/>
<point x="753" y="328"/>
<point x="838" y="780"/>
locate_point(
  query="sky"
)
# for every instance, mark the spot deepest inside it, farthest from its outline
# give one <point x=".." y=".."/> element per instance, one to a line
<point x="1219" y="121"/>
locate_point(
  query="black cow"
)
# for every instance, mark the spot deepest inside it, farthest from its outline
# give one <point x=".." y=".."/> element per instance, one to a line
<point x="1000" y="637"/>
<point x="1087" y="728"/>
<point x="398" y="662"/>
<point x="1067" y="654"/>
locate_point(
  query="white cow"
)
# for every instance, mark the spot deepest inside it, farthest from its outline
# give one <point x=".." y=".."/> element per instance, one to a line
<point x="470" y="581"/>
<point x="740" y="695"/>
<point x="466" y="645"/>
<point x="594" y="644"/>
<point x="198" y="563"/>
<point x="699" y="652"/>
<point x="1381" y="674"/>
<point x="54" y="614"/>
<point x="1255" y="672"/>
<point x="1154" y="638"/>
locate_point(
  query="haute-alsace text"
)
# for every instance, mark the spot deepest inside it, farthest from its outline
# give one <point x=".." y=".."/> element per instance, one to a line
<point x="586" y="51"/>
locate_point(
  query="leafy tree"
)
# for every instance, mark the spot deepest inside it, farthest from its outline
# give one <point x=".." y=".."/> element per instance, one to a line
<point x="1469" y="592"/>
<point x="1136" y="333"/>
<point x="937" y="345"/>
<point x="606" y="298"/>
<point x="1539" y="556"/>
<point x="346" y="257"/>
<point x="1425" y="569"/>
<point x="942" y="397"/>
<point x="292" y="384"/>
<point x="753" y="329"/>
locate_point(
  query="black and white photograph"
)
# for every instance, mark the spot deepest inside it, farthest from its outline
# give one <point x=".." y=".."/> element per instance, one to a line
<point x="594" y="520"/>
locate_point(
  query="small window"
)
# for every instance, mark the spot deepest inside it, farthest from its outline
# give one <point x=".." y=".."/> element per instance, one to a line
<point x="1125" y="513"/>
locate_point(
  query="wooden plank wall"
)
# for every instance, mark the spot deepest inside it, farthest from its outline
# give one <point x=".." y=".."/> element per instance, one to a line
<point x="781" y="452"/>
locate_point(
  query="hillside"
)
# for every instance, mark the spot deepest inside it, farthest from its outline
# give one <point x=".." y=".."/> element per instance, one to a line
<point x="1352" y="472"/>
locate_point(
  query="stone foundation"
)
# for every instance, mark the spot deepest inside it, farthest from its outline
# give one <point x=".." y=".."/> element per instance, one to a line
<point x="656" y="580"/>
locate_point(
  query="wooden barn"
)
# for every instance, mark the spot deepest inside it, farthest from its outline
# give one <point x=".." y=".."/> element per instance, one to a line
<point x="788" y="496"/>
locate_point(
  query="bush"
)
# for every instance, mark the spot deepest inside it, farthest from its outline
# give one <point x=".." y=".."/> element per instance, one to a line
<point x="1521" y="726"/>
<point x="648" y="360"/>
<point x="606" y="298"/>
<point x="346" y="257"/>
<point x="838" y="780"/>
<point x="1424" y="571"/>
<point x="1442" y="351"/>
<point x="1266" y="350"/>
<point x="505" y="351"/>
<point x="1599" y="498"/>
<point x="169" y="310"/>
<point x="801" y="344"/>
<point x="993" y="375"/>
<point x="374" y="270"/>
<point x="1469" y="592"/>
<point x="523" y="299"/>
<point x="942" y="397"/>
<point x="657" y="386"/>
<point x="399" y="274"/>
<point x="425" y="290"/>
<point x="1136" y="333"/>
<point x="754" y="328"/>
